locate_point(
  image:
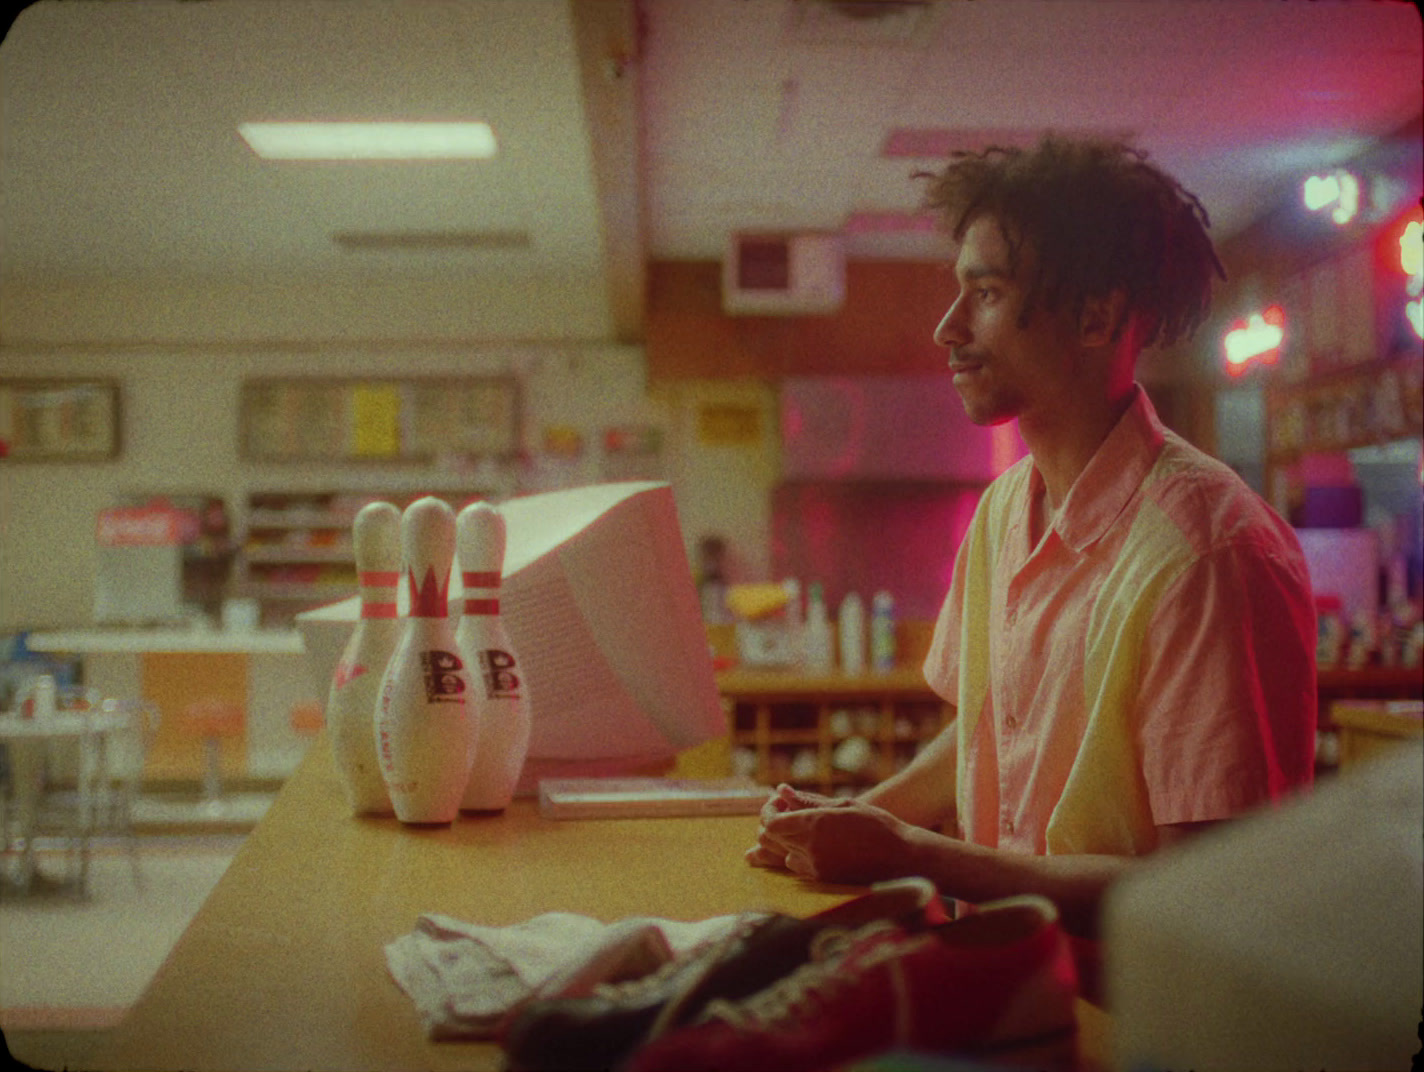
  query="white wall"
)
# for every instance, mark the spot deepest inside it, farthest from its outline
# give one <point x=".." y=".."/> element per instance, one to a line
<point x="139" y="310"/>
<point x="180" y="435"/>
<point x="181" y="351"/>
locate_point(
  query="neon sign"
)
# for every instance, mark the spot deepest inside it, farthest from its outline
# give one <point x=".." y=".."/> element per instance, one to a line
<point x="1338" y="191"/>
<point x="1411" y="260"/>
<point x="1255" y="340"/>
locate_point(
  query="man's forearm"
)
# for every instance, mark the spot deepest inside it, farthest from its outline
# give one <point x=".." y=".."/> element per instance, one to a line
<point x="923" y="793"/>
<point x="1075" y="883"/>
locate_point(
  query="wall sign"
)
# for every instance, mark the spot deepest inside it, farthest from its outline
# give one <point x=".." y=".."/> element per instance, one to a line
<point x="59" y="420"/>
<point x="416" y="419"/>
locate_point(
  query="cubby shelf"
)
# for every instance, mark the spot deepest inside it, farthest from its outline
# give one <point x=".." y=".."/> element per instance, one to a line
<point x="795" y="728"/>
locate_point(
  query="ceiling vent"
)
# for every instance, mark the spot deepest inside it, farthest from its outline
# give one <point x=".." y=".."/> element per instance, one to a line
<point x="783" y="274"/>
<point x="429" y="241"/>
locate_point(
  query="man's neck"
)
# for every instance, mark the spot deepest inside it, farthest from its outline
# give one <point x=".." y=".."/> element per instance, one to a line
<point x="1063" y="443"/>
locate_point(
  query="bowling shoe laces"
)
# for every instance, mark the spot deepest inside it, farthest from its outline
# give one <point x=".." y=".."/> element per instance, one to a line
<point x="600" y="1030"/>
<point x="997" y="986"/>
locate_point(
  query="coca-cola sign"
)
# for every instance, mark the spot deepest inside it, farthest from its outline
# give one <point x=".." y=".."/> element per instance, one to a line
<point x="154" y="525"/>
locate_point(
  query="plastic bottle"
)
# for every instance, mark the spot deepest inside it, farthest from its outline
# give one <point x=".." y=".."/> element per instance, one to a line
<point x="795" y="623"/>
<point x="820" y="656"/>
<point x="882" y="632"/>
<point x="44" y="698"/>
<point x="851" y="621"/>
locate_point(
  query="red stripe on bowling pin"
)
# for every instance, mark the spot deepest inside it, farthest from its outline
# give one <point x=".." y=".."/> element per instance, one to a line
<point x="374" y="603"/>
<point x="473" y="579"/>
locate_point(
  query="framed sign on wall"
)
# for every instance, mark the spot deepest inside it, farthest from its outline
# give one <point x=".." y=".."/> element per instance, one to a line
<point x="48" y="420"/>
<point x="412" y="419"/>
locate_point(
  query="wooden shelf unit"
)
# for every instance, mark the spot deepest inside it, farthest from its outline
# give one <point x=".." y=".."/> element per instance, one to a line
<point x="1343" y="408"/>
<point x="296" y="551"/>
<point x="787" y="721"/>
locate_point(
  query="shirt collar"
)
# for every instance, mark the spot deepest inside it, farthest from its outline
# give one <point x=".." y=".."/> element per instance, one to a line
<point x="1113" y="475"/>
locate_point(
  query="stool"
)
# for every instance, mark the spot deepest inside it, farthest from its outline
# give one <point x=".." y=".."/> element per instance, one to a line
<point x="307" y="719"/>
<point x="213" y="719"/>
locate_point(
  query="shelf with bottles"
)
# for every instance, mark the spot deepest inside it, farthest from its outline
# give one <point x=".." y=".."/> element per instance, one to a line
<point x="296" y="551"/>
<point x="831" y="733"/>
<point x="1346" y="408"/>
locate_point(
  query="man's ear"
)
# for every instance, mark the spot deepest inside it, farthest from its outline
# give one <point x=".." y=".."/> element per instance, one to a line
<point x="1101" y="317"/>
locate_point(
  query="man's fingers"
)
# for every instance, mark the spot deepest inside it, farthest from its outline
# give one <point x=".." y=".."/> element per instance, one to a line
<point x="793" y="823"/>
<point x="786" y="798"/>
<point x="798" y="863"/>
<point x="770" y="844"/>
<point x="796" y="799"/>
<point x="760" y="856"/>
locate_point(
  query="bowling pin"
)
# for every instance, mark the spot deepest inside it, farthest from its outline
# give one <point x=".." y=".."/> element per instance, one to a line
<point x="425" y="726"/>
<point x="356" y="685"/>
<point x="500" y="695"/>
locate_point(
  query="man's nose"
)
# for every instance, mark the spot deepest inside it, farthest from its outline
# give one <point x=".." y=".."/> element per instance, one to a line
<point x="951" y="331"/>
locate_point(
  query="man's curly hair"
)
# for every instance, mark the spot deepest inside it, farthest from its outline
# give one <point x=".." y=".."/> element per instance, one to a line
<point x="1099" y="218"/>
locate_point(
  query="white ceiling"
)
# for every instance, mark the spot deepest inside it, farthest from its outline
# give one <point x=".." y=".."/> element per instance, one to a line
<point x="637" y="130"/>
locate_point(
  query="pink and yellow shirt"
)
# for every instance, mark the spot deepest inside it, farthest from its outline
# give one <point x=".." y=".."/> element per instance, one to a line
<point x="1150" y="661"/>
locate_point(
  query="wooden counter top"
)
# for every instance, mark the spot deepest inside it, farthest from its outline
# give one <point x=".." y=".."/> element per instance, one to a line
<point x="750" y="681"/>
<point x="139" y="641"/>
<point x="284" y="965"/>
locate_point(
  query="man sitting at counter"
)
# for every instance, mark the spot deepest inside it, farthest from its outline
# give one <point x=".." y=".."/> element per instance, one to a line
<point x="1129" y="635"/>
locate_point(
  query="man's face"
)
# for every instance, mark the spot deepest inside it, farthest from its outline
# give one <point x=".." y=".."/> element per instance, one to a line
<point x="1003" y="371"/>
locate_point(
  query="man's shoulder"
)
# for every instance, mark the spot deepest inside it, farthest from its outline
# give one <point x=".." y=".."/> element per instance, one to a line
<point x="1211" y="505"/>
<point x="1005" y="493"/>
<point x="1011" y="483"/>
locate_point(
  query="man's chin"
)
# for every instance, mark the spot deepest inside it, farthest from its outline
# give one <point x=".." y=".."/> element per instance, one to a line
<point x="986" y="416"/>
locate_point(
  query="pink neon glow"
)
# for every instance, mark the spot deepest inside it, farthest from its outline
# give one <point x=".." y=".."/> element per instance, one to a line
<point x="1005" y="446"/>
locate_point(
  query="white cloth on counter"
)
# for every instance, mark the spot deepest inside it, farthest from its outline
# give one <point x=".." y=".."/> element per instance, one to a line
<point x="465" y="977"/>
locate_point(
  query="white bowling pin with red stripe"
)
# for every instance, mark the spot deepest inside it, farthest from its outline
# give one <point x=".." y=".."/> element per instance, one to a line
<point x="425" y="725"/>
<point x="356" y="685"/>
<point x="500" y="695"/>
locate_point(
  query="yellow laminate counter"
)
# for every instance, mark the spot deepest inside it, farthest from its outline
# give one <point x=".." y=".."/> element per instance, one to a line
<point x="284" y="965"/>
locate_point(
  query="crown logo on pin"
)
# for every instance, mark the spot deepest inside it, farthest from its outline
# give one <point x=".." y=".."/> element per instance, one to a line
<point x="428" y="598"/>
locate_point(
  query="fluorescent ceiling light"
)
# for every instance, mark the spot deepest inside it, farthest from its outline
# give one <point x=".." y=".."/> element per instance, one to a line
<point x="369" y="141"/>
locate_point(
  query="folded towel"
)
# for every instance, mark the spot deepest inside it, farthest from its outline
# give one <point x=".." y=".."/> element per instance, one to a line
<point x="464" y="978"/>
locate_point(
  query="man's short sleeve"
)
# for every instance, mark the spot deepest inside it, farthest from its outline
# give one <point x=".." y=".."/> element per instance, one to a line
<point x="942" y="659"/>
<point x="1227" y="707"/>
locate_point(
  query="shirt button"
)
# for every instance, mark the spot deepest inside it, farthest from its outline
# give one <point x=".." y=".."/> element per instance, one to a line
<point x="1011" y="723"/>
<point x="1008" y="826"/>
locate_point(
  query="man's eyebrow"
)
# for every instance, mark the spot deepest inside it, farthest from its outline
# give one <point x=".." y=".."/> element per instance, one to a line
<point x="978" y="272"/>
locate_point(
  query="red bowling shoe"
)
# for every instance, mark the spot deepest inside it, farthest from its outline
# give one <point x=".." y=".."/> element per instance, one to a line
<point x="998" y="985"/>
